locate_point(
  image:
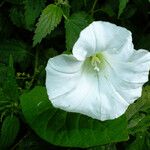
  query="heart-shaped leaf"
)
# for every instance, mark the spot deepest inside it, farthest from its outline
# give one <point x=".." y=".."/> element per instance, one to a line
<point x="68" y="129"/>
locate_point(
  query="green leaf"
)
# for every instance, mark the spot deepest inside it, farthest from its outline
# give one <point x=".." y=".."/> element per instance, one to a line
<point x="33" y="9"/>
<point x="9" y="131"/>
<point x="104" y="147"/>
<point x="140" y="143"/>
<point x="122" y="5"/>
<point x="17" y="16"/>
<point x="15" y="48"/>
<point x="68" y="129"/>
<point x="49" y="19"/>
<point x="8" y="82"/>
<point x="143" y="103"/>
<point x="138" y="113"/>
<point x="74" y="25"/>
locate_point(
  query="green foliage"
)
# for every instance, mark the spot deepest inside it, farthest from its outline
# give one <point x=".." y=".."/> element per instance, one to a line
<point x="22" y="68"/>
<point x="17" y="49"/>
<point x="32" y="11"/>
<point x="9" y="131"/>
<point x="122" y="5"/>
<point x="142" y="142"/>
<point x="76" y="130"/>
<point x="138" y="115"/>
<point x="9" y="94"/>
<point x="8" y="82"/>
<point x="49" y="19"/>
<point x="17" y="16"/>
<point x="74" y="25"/>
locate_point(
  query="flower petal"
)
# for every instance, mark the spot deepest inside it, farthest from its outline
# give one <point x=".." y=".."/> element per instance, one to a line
<point x="93" y="97"/>
<point x="100" y="36"/>
<point x="61" y="74"/>
<point x="129" y="77"/>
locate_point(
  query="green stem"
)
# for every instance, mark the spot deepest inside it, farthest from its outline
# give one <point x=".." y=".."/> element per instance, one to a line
<point x="93" y="7"/>
<point x="35" y="68"/>
<point x="85" y="3"/>
<point x="20" y="141"/>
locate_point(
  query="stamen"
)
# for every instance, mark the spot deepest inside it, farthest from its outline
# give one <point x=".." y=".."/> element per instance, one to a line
<point x="96" y="61"/>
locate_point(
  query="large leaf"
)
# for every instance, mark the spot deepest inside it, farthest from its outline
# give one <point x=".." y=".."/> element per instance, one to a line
<point x="122" y="5"/>
<point x="68" y="129"/>
<point x="50" y="18"/>
<point x="74" y="25"/>
<point x="9" y="131"/>
<point x="33" y="9"/>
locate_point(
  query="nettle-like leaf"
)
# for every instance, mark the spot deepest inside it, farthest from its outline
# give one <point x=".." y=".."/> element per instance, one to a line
<point x="68" y="129"/>
<point x="17" y="16"/>
<point x="49" y="19"/>
<point x="33" y="9"/>
<point x="9" y="131"/>
<point x="122" y="5"/>
<point x="9" y="95"/>
<point x="142" y="142"/>
<point x="8" y="86"/>
<point x="138" y="113"/>
<point x="17" y="49"/>
<point x="74" y="25"/>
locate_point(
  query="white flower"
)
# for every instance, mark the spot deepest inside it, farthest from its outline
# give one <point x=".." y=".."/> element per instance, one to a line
<point x="102" y="77"/>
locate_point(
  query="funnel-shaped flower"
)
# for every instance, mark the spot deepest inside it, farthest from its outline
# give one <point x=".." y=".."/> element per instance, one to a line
<point x="102" y="77"/>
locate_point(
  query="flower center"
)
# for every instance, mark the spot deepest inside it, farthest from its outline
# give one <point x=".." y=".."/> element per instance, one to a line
<point x="97" y="61"/>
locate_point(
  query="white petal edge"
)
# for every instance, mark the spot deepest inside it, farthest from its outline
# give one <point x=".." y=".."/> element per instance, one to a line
<point x="100" y="36"/>
<point x="129" y="77"/>
<point x="62" y="73"/>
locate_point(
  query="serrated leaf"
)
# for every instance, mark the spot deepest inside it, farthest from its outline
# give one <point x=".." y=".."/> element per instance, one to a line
<point x="9" y="131"/>
<point x="68" y="129"/>
<point x="16" y="48"/>
<point x="122" y="5"/>
<point x="140" y="143"/>
<point x="138" y="113"/>
<point x="49" y="19"/>
<point x="17" y="16"/>
<point x="8" y="83"/>
<point x="74" y="25"/>
<point x="143" y="103"/>
<point x="33" y="9"/>
<point x="66" y="9"/>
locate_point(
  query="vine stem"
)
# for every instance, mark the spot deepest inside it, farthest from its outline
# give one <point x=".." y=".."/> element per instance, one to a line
<point x="14" y="147"/>
<point x="35" y="68"/>
<point x="93" y="7"/>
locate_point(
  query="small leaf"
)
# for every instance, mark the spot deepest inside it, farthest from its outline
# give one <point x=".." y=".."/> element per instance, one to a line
<point x="143" y="103"/>
<point x="33" y="9"/>
<point x="16" y="48"/>
<point x="68" y="129"/>
<point x="122" y="5"/>
<point x="49" y="19"/>
<point x="9" y="131"/>
<point x="140" y="142"/>
<point x="17" y="16"/>
<point x="8" y="83"/>
<point x="138" y="113"/>
<point x="74" y="25"/>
